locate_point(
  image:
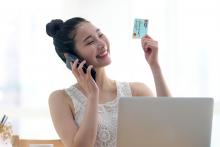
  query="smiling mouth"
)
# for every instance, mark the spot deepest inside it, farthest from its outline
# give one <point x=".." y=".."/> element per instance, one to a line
<point x="103" y="54"/>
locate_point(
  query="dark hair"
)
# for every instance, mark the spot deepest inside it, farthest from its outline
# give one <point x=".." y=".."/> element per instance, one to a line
<point x="63" y="34"/>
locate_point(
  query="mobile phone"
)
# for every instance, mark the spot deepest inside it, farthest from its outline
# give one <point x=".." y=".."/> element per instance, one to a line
<point x="72" y="58"/>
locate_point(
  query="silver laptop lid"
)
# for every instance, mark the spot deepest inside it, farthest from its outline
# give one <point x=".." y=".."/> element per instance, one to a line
<point x="164" y="122"/>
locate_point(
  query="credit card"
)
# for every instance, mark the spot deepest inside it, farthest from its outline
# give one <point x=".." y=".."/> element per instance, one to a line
<point x="140" y="28"/>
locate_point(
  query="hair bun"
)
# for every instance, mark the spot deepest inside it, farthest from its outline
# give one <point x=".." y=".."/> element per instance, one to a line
<point x="54" y="26"/>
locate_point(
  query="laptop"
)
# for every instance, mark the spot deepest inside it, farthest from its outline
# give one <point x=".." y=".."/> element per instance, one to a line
<point x="164" y="122"/>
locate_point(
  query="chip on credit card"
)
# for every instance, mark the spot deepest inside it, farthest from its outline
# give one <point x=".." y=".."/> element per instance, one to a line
<point x="140" y="28"/>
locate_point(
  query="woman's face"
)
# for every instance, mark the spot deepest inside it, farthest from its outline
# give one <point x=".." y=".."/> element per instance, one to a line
<point x="92" y="45"/>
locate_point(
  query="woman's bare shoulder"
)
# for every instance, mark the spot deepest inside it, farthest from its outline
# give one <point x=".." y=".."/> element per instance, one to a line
<point x="59" y="99"/>
<point x="58" y="95"/>
<point x="140" y="89"/>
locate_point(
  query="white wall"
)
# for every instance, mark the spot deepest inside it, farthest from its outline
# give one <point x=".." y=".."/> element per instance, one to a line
<point x="187" y="31"/>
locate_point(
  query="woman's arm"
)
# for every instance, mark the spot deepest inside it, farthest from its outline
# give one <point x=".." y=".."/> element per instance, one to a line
<point x="86" y="135"/>
<point x="62" y="114"/>
<point x="63" y="118"/>
<point x="150" y="47"/>
<point x="160" y="84"/>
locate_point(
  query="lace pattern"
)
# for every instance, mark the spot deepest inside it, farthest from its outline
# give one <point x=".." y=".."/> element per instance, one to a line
<point x="107" y="114"/>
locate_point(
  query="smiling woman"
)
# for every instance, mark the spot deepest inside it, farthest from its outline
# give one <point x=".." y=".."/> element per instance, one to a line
<point x="75" y="110"/>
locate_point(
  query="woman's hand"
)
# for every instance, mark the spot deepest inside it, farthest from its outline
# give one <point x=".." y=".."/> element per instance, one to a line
<point x="150" y="47"/>
<point x="85" y="80"/>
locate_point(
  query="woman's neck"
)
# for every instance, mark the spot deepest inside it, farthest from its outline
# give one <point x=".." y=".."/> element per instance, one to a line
<point x="102" y="80"/>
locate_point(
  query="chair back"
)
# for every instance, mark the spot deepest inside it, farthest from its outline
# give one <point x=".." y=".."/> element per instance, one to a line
<point x="16" y="141"/>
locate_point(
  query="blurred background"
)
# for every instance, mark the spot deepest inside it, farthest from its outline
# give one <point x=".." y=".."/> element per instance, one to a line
<point x="187" y="32"/>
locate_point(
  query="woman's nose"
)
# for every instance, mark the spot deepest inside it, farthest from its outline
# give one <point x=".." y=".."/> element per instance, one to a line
<point x="100" y="43"/>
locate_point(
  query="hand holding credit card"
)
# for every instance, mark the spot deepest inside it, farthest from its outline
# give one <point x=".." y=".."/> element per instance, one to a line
<point x="140" y="28"/>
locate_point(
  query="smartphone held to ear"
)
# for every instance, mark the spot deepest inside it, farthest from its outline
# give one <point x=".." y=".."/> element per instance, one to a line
<point x="72" y="58"/>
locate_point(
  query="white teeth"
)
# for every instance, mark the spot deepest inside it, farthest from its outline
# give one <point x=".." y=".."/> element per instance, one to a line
<point x="103" y="54"/>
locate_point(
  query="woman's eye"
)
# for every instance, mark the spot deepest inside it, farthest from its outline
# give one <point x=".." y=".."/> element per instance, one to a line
<point x="90" y="42"/>
<point x="101" y="35"/>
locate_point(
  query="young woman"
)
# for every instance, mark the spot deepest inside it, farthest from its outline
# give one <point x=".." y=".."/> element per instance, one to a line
<point x="85" y="114"/>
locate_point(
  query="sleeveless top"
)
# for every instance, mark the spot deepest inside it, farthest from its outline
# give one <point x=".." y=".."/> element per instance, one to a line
<point x="107" y="113"/>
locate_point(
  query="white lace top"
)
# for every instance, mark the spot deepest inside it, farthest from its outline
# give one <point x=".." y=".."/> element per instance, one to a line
<point x="107" y="114"/>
